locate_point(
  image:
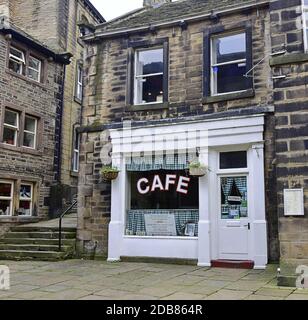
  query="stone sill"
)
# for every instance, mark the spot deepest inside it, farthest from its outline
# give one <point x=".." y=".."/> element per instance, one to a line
<point x="148" y="107"/>
<point x="17" y="219"/>
<point x="74" y="173"/>
<point x="229" y="96"/>
<point x="288" y="59"/>
<point x="21" y="149"/>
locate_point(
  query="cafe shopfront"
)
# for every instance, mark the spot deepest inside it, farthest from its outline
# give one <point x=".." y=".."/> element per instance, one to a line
<point x="160" y="210"/>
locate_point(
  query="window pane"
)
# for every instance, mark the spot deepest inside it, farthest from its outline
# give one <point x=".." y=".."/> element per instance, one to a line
<point x="232" y="160"/>
<point x="29" y="139"/>
<point x="234" y="198"/>
<point x="17" y="53"/>
<point x="15" y="66"/>
<point x="5" y="189"/>
<point x="25" y="191"/>
<point x="24" y="208"/>
<point x="10" y="118"/>
<point x="152" y="89"/>
<point x="230" y="48"/>
<point x="9" y="136"/>
<point x="5" y="207"/>
<point x="230" y="78"/>
<point x="150" y="61"/>
<point x="30" y="124"/>
<point x="34" y="63"/>
<point x="34" y="75"/>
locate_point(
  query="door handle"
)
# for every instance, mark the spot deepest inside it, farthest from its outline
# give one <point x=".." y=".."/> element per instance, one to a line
<point x="247" y="225"/>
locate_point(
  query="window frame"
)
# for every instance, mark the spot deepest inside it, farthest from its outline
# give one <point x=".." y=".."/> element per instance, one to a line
<point x="220" y="31"/>
<point x="11" y="198"/>
<point x="79" y="83"/>
<point x="305" y="26"/>
<point x="11" y="127"/>
<point x="140" y="46"/>
<point x="29" y="132"/>
<point x="30" y="68"/>
<point x="26" y="199"/>
<point x="18" y="60"/>
<point x="76" y="152"/>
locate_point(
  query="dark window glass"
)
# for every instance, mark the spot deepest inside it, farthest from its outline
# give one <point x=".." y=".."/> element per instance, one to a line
<point x="164" y="199"/>
<point x="152" y="89"/>
<point x="233" y="160"/>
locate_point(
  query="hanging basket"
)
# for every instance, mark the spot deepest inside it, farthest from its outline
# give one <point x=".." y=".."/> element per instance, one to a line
<point x="109" y="173"/>
<point x="197" y="172"/>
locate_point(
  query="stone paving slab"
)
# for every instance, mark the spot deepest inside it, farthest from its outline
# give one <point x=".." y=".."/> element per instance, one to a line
<point x="99" y="280"/>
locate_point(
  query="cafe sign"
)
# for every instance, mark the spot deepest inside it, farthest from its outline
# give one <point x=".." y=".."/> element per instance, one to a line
<point x="163" y="183"/>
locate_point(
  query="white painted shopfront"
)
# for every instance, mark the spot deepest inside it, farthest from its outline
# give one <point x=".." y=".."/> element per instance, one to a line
<point x="222" y="232"/>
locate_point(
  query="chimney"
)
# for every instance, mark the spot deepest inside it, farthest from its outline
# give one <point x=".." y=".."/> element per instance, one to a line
<point x="155" y="3"/>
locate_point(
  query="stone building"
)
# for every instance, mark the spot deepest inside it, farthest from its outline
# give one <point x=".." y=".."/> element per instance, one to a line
<point x="234" y="72"/>
<point x="41" y="97"/>
<point x="31" y="77"/>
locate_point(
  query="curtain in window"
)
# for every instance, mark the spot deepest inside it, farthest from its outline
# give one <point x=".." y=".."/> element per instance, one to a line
<point x="158" y="162"/>
<point x="136" y="223"/>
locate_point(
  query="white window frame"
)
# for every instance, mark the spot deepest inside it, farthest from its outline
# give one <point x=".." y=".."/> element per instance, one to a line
<point x="39" y="69"/>
<point x="9" y="126"/>
<point x="8" y="198"/>
<point x="26" y="199"/>
<point x="76" y="152"/>
<point x="79" y="82"/>
<point x="139" y="78"/>
<point x="212" y="65"/>
<point x="305" y="27"/>
<point x="30" y="132"/>
<point x="18" y="60"/>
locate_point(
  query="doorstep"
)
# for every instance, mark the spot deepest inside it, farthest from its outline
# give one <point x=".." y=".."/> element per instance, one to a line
<point x="232" y="264"/>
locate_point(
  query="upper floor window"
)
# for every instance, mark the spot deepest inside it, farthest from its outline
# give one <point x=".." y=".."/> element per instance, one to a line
<point x="10" y="127"/>
<point x="24" y="63"/>
<point x="17" y="60"/>
<point x="228" y="63"/>
<point x="76" y="148"/>
<point x="30" y="129"/>
<point x="149" y="76"/>
<point x="79" y="82"/>
<point x="305" y="23"/>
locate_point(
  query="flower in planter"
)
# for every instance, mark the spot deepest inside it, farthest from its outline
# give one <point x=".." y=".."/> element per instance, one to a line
<point x="109" y="173"/>
<point x="196" y="168"/>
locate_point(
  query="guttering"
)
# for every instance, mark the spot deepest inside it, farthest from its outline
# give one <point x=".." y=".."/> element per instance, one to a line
<point x="121" y="32"/>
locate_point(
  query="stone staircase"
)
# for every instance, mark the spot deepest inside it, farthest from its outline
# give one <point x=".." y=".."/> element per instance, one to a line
<point x="39" y="241"/>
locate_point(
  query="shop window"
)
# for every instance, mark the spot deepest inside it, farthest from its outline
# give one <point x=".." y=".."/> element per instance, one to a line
<point x="79" y="82"/>
<point x="305" y="23"/>
<point x="149" y="75"/>
<point x="233" y="160"/>
<point x="6" y="198"/>
<point x="10" y="127"/>
<point x="163" y="198"/>
<point x="25" y="200"/>
<point x="234" y="204"/>
<point x="229" y="63"/>
<point x="34" y="69"/>
<point x="17" y="60"/>
<point x="76" y="150"/>
<point x="30" y="132"/>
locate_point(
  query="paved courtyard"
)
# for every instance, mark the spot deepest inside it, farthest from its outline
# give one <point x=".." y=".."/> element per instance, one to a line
<point x="97" y="280"/>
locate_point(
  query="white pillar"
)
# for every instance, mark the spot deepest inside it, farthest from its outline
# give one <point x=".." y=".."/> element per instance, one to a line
<point x="204" y="256"/>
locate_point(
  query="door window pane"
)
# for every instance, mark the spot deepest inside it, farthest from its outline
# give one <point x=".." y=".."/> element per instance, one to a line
<point x="6" y="195"/>
<point x="233" y="160"/>
<point x="234" y="204"/>
<point x="25" y="200"/>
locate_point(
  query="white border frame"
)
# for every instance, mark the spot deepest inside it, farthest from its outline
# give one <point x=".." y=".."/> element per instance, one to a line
<point x="26" y="199"/>
<point x="11" y="198"/>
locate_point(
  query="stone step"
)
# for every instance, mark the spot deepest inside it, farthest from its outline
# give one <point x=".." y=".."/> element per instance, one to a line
<point x="41" y="229"/>
<point x="40" y="235"/>
<point x="33" y="255"/>
<point x="32" y="241"/>
<point x="33" y="247"/>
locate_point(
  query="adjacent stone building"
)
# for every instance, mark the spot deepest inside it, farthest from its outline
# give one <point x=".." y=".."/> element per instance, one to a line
<point x="233" y="70"/>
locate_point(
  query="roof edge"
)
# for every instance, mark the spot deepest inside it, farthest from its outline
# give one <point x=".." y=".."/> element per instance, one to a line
<point x="95" y="12"/>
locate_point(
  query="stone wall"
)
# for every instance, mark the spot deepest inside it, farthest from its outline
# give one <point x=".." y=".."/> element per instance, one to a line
<point x="106" y="68"/>
<point x="41" y="100"/>
<point x="290" y="99"/>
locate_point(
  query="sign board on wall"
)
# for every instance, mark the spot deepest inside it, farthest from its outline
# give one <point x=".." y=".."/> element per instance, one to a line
<point x="293" y="202"/>
<point x="160" y="225"/>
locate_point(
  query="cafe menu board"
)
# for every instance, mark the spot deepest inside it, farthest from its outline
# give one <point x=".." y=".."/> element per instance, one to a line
<point x="293" y="202"/>
<point x="160" y="225"/>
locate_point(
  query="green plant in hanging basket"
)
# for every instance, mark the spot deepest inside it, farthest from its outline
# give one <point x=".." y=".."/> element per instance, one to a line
<point x="197" y="169"/>
<point x="109" y="173"/>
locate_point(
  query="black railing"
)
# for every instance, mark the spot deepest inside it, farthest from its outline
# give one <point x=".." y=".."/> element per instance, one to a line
<point x="60" y="221"/>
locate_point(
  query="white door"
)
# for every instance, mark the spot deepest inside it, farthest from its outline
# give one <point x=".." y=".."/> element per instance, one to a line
<point x="233" y="221"/>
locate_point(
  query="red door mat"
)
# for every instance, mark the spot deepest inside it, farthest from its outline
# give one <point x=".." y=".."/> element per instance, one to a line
<point x="236" y="264"/>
